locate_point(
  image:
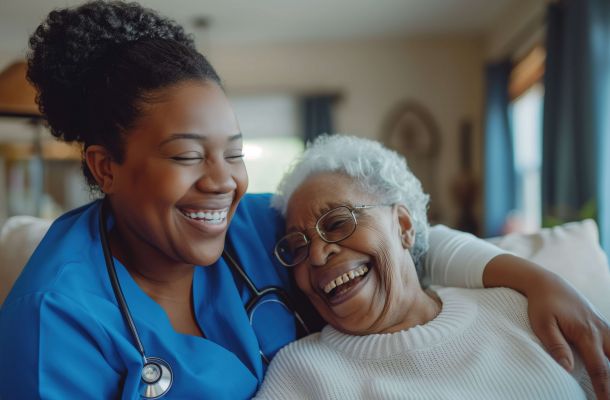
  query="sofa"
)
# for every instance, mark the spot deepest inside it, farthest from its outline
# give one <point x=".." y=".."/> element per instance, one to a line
<point x="571" y="250"/>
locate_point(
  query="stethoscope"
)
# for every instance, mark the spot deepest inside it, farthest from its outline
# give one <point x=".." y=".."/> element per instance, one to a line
<point x="258" y="299"/>
<point x="156" y="375"/>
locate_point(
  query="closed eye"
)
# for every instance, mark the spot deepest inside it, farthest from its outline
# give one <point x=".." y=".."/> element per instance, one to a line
<point x="335" y="224"/>
<point x="235" y="157"/>
<point x="188" y="158"/>
<point x="299" y="250"/>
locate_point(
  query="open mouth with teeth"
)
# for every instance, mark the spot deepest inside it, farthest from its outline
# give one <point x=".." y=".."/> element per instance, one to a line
<point x="345" y="282"/>
<point x="213" y="217"/>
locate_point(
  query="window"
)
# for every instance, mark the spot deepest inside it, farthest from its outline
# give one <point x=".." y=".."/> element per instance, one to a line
<point x="527" y="93"/>
<point x="272" y="136"/>
<point x="268" y="158"/>
<point x="526" y="114"/>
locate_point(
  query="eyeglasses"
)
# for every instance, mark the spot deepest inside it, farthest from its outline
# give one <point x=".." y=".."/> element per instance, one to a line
<point x="333" y="226"/>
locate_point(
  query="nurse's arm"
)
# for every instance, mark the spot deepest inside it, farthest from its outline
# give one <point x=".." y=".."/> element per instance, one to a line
<point x="559" y="315"/>
<point x="51" y="348"/>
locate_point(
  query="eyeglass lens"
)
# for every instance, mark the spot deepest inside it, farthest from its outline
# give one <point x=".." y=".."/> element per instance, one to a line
<point x="337" y="224"/>
<point x="334" y="226"/>
<point x="292" y="248"/>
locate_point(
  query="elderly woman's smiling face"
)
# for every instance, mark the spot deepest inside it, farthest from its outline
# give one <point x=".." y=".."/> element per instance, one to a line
<point x="376" y="286"/>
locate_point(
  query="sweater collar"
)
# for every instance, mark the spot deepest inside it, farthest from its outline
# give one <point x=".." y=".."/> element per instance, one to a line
<point x="457" y="314"/>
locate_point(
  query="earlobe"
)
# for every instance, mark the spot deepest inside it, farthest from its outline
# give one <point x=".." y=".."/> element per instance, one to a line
<point x="99" y="162"/>
<point x="408" y="238"/>
<point x="407" y="230"/>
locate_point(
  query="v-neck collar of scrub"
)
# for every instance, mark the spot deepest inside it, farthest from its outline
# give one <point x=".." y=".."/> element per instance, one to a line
<point x="142" y="305"/>
<point x="222" y="315"/>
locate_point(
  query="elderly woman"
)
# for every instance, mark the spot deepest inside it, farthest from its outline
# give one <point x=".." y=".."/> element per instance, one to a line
<point x="357" y="235"/>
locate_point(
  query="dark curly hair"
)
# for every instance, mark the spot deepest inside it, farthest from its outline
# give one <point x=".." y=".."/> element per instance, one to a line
<point x="95" y="65"/>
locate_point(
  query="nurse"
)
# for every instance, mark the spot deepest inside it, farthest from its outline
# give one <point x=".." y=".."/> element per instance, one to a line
<point x="161" y="143"/>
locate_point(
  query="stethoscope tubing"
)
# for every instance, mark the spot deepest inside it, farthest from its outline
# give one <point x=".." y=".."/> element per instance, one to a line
<point x="116" y="286"/>
<point x="258" y="294"/>
<point x="162" y="376"/>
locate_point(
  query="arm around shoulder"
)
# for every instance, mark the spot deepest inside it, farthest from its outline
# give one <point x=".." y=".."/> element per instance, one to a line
<point x="457" y="259"/>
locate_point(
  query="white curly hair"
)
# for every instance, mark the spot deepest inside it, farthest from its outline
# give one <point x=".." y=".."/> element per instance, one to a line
<point x="377" y="169"/>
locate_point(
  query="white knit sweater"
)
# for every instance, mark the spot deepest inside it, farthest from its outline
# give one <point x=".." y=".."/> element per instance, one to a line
<point x="480" y="346"/>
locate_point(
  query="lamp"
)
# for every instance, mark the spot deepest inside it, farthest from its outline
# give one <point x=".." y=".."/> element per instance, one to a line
<point x="18" y="100"/>
<point x="17" y="95"/>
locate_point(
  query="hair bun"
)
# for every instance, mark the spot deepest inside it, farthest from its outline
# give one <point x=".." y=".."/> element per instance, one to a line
<point x="72" y="42"/>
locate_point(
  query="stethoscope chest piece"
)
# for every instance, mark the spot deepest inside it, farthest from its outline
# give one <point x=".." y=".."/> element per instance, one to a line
<point x="156" y="378"/>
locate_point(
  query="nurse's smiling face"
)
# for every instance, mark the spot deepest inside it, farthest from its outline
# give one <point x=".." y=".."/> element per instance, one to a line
<point x="181" y="178"/>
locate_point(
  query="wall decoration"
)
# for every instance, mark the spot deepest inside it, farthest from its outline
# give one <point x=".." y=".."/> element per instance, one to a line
<point x="466" y="187"/>
<point x="411" y="130"/>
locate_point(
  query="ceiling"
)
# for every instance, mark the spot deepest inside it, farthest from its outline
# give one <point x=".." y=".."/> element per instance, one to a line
<point x="247" y="21"/>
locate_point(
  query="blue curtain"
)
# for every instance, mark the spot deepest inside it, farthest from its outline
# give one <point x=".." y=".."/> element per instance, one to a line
<point x="499" y="161"/>
<point x="317" y="116"/>
<point x="576" y="147"/>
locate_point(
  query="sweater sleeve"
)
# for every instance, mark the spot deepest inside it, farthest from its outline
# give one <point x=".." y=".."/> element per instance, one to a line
<point x="457" y="259"/>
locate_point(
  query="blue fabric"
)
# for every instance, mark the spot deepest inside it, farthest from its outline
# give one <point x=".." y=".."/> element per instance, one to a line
<point x="600" y="41"/>
<point x="603" y="180"/>
<point x="499" y="160"/>
<point x="62" y="335"/>
<point x="575" y="170"/>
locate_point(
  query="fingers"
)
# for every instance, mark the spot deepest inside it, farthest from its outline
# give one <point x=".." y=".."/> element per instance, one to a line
<point x="605" y="333"/>
<point x="556" y="345"/>
<point x="596" y="363"/>
<point x="606" y="339"/>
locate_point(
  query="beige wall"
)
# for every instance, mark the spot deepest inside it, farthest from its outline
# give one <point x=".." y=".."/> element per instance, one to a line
<point x="516" y="30"/>
<point x="442" y="73"/>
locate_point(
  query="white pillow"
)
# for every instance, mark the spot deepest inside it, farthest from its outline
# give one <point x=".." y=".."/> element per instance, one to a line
<point x="18" y="239"/>
<point x="572" y="251"/>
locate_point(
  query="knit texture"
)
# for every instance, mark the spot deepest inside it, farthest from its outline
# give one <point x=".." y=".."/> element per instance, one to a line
<point x="480" y="346"/>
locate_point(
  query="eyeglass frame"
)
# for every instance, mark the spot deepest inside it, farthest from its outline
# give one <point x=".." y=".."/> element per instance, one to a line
<point x="351" y="209"/>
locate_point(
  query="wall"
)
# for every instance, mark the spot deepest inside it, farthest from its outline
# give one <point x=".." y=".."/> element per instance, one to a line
<point x="516" y="30"/>
<point x="442" y="73"/>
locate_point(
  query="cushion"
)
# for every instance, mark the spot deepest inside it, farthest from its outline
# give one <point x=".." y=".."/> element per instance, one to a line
<point x="18" y="238"/>
<point x="572" y="251"/>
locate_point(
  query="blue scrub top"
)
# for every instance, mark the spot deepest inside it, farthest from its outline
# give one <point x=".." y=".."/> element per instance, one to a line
<point x="62" y="334"/>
